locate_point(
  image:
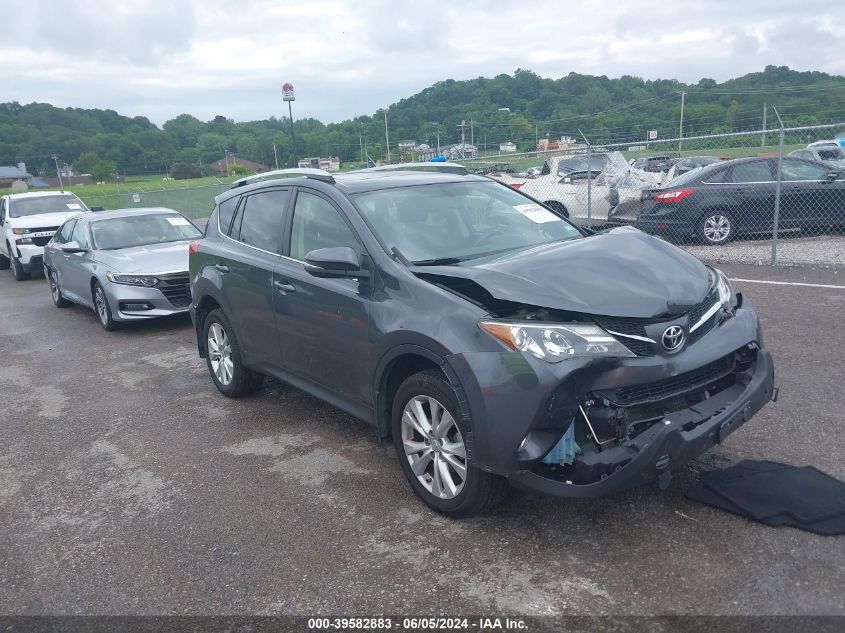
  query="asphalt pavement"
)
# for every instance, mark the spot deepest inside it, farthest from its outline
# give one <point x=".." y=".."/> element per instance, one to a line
<point x="129" y="485"/>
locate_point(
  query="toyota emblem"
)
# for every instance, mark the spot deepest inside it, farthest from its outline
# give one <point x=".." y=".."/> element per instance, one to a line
<point x="673" y="338"/>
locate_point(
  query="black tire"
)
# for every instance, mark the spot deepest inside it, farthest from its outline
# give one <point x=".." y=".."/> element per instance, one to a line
<point x="480" y="491"/>
<point x="243" y="381"/>
<point x="4" y="262"/>
<point x="557" y="206"/>
<point x="55" y="291"/>
<point x="17" y="268"/>
<point x="716" y="228"/>
<point x="103" y="311"/>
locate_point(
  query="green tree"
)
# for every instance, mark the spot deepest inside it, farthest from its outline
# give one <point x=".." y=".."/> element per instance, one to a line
<point x="103" y="170"/>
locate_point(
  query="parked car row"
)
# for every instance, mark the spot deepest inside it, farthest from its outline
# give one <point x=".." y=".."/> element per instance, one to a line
<point x="494" y="340"/>
<point x="700" y="197"/>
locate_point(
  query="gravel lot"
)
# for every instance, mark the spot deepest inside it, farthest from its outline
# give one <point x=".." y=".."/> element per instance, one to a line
<point x="128" y="485"/>
<point x="822" y="250"/>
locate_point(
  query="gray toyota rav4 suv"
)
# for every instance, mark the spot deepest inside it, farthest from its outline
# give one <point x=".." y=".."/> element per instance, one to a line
<point x="493" y="340"/>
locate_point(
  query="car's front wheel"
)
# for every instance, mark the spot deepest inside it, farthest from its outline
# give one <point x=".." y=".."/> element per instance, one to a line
<point x="55" y="290"/>
<point x="223" y="357"/>
<point x="102" y="308"/>
<point x="430" y="444"/>
<point x="716" y="228"/>
<point x="17" y="268"/>
<point x="4" y="262"/>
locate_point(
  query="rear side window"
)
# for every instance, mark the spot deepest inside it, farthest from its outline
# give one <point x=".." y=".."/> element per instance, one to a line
<point x="756" y="171"/>
<point x="225" y="212"/>
<point x="261" y="220"/>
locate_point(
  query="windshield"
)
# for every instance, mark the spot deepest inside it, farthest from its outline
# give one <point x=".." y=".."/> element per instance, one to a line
<point x="142" y="230"/>
<point x="22" y="207"/>
<point x="458" y="221"/>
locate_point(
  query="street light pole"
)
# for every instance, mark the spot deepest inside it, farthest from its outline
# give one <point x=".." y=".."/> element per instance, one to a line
<point x="289" y="96"/>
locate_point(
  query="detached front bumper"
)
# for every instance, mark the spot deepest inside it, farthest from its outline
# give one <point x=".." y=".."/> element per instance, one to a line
<point x="520" y="407"/>
<point x="666" y="445"/>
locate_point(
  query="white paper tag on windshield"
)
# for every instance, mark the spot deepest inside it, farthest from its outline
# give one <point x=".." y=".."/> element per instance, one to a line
<point x="536" y="213"/>
<point x="73" y="205"/>
<point x="178" y="221"/>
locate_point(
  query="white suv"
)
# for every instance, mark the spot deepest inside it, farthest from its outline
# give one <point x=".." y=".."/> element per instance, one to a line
<point x="27" y="222"/>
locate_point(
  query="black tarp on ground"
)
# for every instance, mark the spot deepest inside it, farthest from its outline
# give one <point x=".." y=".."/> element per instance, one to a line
<point x="776" y="494"/>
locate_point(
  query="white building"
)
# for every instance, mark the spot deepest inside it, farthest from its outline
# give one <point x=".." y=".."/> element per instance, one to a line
<point x="507" y="146"/>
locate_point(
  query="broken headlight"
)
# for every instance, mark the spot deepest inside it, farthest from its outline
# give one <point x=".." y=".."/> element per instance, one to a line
<point x="554" y="342"/>
<point x="727" y="297"/>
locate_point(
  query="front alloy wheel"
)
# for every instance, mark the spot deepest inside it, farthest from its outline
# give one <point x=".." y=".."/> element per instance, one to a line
<point x="101" y="306"/>
<point x="434" y="447"/>
<point x="430" y="443"/>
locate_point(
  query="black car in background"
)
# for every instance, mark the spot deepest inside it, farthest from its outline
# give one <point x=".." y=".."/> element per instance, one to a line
<point x="716" y="203"/>
<point x="492" y="339"/>
<point x="688" y="163"/>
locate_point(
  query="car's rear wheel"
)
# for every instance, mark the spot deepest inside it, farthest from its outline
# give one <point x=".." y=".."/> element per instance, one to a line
<point x="17" y="268"/>
<point x="716" y="228"/>
<point x="557" y="206"/>
<point x="102" y="308"/>
<point x="55" y="290"/>
<point x="430" y="443"/>
<point x="223" y="358"/>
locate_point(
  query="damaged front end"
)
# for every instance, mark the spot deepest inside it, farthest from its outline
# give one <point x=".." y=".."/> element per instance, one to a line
<point x="597" y="424"/>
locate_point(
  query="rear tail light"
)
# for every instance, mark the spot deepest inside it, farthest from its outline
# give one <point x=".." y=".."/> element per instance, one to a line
<point x="517" y="185"/>
<point x="194" y="247"/>
<point x="673" y="197"/>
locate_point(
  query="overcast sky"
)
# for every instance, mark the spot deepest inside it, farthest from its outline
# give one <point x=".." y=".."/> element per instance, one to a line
<point x="230" y="57"/>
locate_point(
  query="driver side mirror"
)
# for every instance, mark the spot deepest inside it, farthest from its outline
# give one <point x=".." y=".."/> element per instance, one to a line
<point x="335" y="262"/>
<point x="73" y="247"/>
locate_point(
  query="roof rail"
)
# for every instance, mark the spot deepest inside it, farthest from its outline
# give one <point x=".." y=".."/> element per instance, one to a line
<point x="449" y="168"/>
<point x="308" y="172"/>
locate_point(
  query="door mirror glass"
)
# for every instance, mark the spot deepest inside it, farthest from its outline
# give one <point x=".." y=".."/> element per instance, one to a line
<point x="337" y="261"/>
<point x="72" y="247"/>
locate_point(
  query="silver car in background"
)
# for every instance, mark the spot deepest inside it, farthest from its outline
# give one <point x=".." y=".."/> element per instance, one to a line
<point x="127" y="265"/>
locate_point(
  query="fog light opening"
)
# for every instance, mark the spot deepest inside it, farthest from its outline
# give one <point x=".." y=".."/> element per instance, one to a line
<point x="142" y="306"/>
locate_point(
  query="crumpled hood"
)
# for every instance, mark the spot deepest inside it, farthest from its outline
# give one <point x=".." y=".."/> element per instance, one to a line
<point x="622" y="273"/>
<point x="153" y="258"/>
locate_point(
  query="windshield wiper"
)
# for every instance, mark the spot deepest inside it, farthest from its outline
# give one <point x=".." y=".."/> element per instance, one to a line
<point x="438" y="261"/>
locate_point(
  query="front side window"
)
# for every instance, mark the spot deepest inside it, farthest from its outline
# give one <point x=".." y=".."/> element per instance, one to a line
<point x="142" y="230"/>
<point x="80" y="235"/>
<point x="261" y="220"/>
<point x="317" y="224"/>
<point x="64" y="233"/>
<point x="755" y="171"/>
<point x="800" y="170"/>
<point x="38" y="205"/>
<point x="459" y="220"/>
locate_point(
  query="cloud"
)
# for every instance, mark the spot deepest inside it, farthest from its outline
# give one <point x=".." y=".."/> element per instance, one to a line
<point x="345" y="59"/>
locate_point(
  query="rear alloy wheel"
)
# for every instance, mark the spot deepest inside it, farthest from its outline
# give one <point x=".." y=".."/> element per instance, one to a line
<point x="101" y="306"/>
<point x="430" y="444"/>
<point x="55" y="291"/>
<point x="223" y="357"/>
<point x="17" y="268"/>
<point x="716" y="228"/>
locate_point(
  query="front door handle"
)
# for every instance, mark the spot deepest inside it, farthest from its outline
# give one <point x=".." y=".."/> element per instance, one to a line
<point x="283" y="287"/>
<point x="223" y="268"/>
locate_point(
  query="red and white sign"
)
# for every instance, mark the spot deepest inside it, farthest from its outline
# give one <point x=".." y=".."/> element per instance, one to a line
<point x="652" y="135"/>
<point x="287" y="92"/>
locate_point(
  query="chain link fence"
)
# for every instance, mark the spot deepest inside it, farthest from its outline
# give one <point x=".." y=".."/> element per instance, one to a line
<point x="765" y="196"/>
<point x="192" y="202"/>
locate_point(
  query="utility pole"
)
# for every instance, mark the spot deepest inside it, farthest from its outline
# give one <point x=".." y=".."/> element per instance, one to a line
<point x="58" y="173"/>
<point x="361" y="145"/>
<point x="471" y="133"/>
<point x="536" y="138"/>
<point x="463" y="126"/>
<point x="681" y="128"/>
<point x="275" y="155"/>
<point x="438" y="142"/>
<point x="386" y="137"/>
<point x="763" y="140"/>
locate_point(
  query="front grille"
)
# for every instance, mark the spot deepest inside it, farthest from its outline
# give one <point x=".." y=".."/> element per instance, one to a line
<point x="676" y="385"/>
<point x="177" y="290"/>
<point x="635" y="327"/>
<point x="44" y="229"/>
<point x="41" y="241"/>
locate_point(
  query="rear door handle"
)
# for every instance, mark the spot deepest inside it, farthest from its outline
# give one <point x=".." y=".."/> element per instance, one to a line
<point x="283" y="287"/>
<point x="223" y="268"/>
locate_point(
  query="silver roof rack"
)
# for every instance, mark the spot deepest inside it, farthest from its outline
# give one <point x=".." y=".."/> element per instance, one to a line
<point x="449" y="168"/>
<point x="308" y="172"/>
